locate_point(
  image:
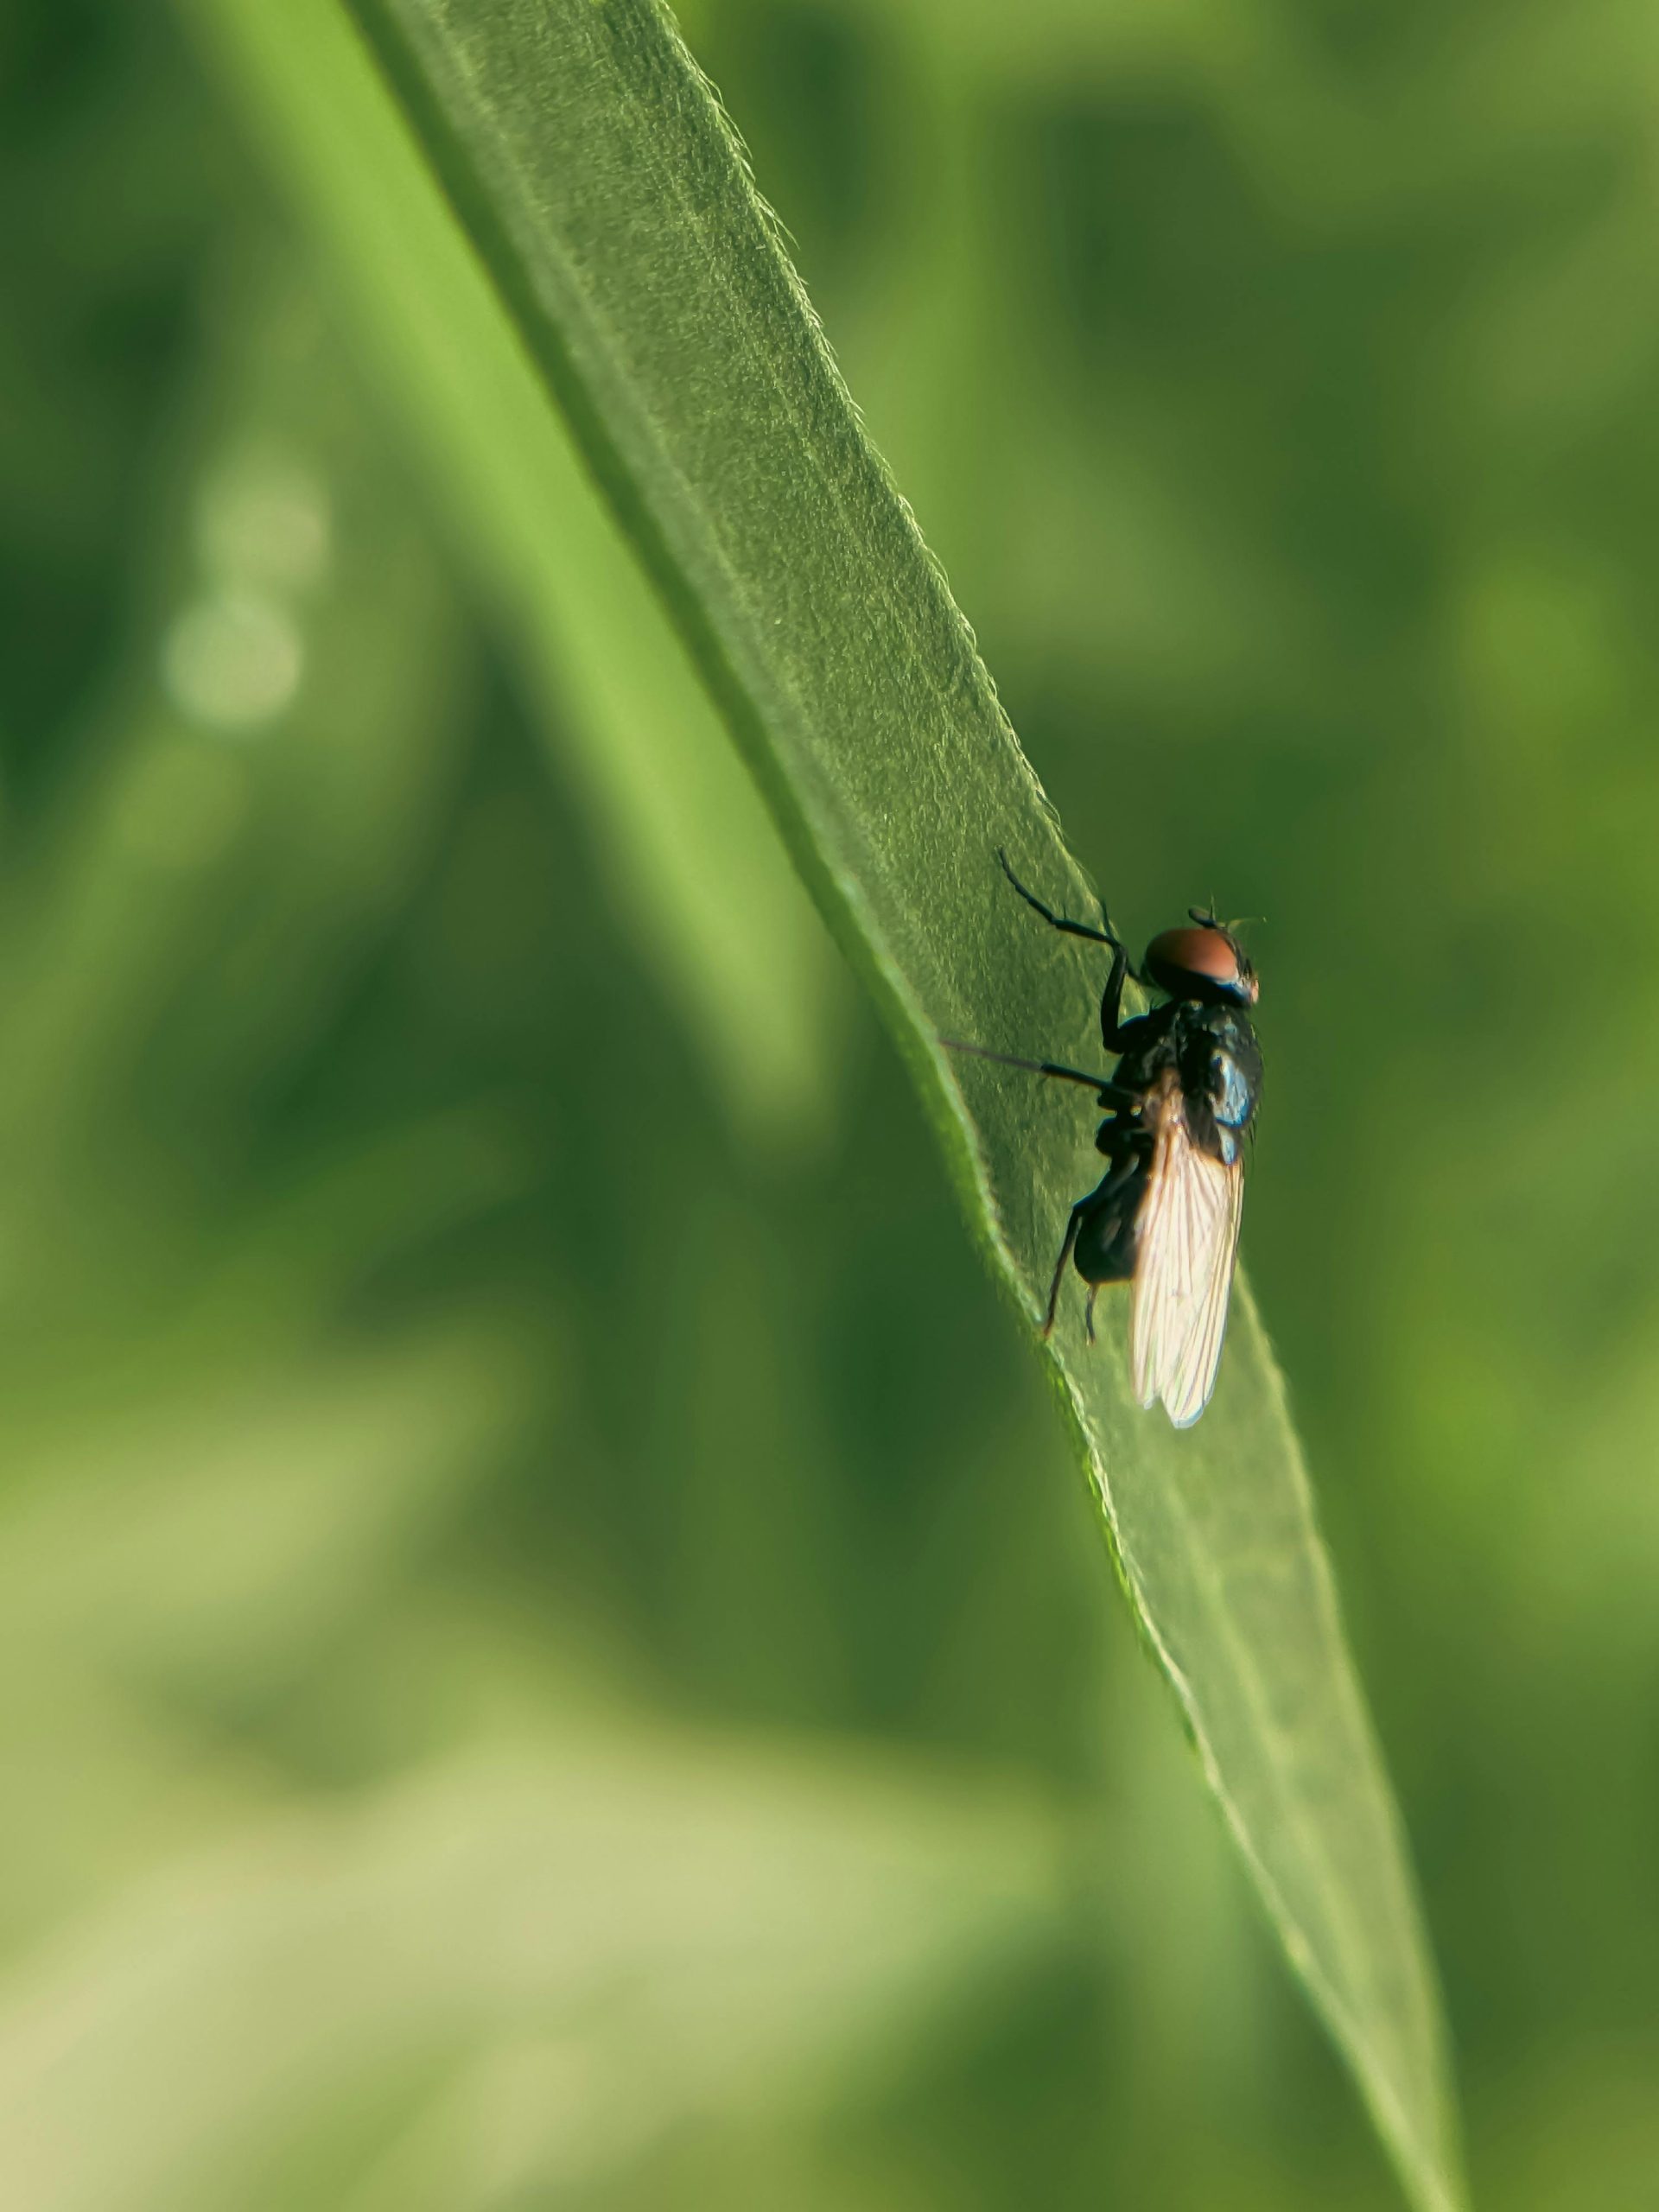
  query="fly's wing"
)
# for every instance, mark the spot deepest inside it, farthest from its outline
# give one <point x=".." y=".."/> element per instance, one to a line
<point x="1186" y="1237"/>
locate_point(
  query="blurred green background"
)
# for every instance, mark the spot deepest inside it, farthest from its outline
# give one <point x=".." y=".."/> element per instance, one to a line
<point x="552" y="1651"/>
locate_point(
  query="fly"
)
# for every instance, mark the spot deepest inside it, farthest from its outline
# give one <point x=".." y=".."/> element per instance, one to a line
<point x="1180" y="1104"/>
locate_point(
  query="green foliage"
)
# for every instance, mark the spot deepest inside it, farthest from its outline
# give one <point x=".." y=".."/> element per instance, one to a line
<point x="426" y="1888"/>
<point x="610" y="202"/>
<point x="553" y="1654"/>
<point x="698" y="875"/>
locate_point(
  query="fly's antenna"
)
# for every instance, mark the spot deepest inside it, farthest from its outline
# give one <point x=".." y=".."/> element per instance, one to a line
<point x="1207" y="920"/>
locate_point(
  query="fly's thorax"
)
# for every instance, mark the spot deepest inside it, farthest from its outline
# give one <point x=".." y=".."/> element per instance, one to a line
<point x="1220" y="1067"/>
<point x="1154" y="1047"/>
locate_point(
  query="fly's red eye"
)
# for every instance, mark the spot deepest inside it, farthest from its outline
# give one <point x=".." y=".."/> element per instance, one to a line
<point x="1178" y="959"/>
<point x="1198" y="953"/>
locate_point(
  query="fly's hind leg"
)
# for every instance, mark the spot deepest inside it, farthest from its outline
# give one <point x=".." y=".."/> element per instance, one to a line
<point x="1103" y="1222"/>
<point x="1067" y="1249"/>
<point x="1117" y="1177"/>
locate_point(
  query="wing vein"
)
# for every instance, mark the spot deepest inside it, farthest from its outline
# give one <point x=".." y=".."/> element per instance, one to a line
<point x="1186" y="1241"/>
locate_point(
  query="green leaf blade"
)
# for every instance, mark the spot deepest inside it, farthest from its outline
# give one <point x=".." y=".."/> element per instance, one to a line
<point x="607" y="196"/>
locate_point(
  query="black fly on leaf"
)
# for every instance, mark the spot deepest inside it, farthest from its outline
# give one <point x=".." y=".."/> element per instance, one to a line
<point x="1165" y="1216"/>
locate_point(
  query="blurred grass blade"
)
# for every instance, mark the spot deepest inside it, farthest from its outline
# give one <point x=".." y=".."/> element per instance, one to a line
<point x="609" y="198"/>
<point x="507" y="1911"/>
<point x="691" y="859"/>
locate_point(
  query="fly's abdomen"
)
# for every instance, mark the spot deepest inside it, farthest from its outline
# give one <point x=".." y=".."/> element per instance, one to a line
<point x="1105" y="1250"/>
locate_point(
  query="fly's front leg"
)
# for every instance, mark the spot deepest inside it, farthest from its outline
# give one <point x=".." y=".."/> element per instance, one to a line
<point x="1112" y="1025"/>
<point x="1107" y="936"/>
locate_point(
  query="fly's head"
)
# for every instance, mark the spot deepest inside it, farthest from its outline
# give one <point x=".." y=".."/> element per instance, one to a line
<point x="1205" y="964"/>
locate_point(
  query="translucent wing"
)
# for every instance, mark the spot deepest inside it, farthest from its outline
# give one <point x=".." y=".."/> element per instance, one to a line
<point x="1186" y="1240"/>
